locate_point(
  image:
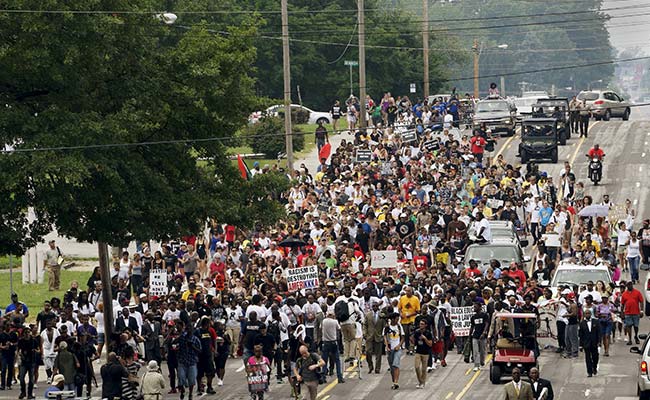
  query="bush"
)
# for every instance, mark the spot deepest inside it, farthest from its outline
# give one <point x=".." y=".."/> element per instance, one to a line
<point x="267" y="137"/>
<point x="298" y="116"/>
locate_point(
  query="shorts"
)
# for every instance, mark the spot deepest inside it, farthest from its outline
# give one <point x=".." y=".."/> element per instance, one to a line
<point x="631" y="320"/>
<point x="187" y="375"/>
<point x="100" y="338"/>
<point x="606" y="328"/>
<point x="394" y="358"/>
<point x="220" y="361"/>
<point x="621" y="249"/>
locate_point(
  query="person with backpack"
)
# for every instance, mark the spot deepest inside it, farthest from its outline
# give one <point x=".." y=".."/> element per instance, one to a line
<point x="307" y="370"/>
<point x="330" y="348"/>
<point x="347" y="311"/>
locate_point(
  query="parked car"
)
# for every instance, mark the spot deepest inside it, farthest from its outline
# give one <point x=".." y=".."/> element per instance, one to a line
<point x="642" y="378"/>
<point x="606" y="104"/>
<point x="497" y="114"/>
<point x="314" y="116"/>
<point x="569" y="274"/>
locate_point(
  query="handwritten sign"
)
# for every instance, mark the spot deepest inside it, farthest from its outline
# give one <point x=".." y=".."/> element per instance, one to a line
<point x="383" y="258"/>
<point x="617" y="213"/>
<point x="302" y="278"/>
<point x="158" y="282"/>
<point x="461" y="320"/>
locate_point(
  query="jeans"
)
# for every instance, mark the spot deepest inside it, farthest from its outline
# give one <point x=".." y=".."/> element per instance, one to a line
<point x="7" y="372"/>
<point x="634" y="267"/>
<point x="478" y="350"/>
<point x="26" y="370"/>
<point x="331" y="349"/>
<point x="572" y="340"/>
<point x="561" y="334"/>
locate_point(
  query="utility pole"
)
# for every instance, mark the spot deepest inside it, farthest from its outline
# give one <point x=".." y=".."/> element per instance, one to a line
<point x="425" y="46"/>
<point x="476" y="55"/>
<point x="362" y="65"/>
<point x="503" y="86"/>
<point x="107" y="298"/>
<point x="286" y="66"/>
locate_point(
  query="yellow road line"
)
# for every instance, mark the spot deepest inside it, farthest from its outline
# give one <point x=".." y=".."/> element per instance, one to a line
<point x="326" y="397"/>
<point x="582" y="140"/>
<point x="449" y="395"/>
<point x="472" y="379"/>
<point x="336" y="381"/>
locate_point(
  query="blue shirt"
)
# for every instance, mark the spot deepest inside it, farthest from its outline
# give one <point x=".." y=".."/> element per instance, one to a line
<point x="12" y="307"/>
<point x="545" y="215"/>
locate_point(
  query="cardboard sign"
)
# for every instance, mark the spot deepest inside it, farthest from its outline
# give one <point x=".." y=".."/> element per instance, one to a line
<point x="617" y="213"/>
<point x="364" y="156"/>
<point x="302" y="278"/>
<point x="432" y="145"/>
<point x="409" y="136"/>
<point x="551" y="239"/>
<point x="383" y="258"/>
<point x="494" y="204"/>
<point x="158" y="282"/>
<point x="461" y="319"/>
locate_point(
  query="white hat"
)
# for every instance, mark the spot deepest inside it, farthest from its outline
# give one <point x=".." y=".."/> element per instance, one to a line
<point x="58" y="378"/>
<point x="567" y="291"/>
<point x="510" y="293"/>
<point x="152" y="366"/>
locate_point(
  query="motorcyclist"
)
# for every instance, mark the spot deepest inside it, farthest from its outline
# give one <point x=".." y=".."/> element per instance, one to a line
<point x="596" y="152"/>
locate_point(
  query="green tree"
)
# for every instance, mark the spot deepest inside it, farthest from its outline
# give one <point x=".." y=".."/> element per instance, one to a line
<point x="86" y="82"/>
<point x="267" y="136"/>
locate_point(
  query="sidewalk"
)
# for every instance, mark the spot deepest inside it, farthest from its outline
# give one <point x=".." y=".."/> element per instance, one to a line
<point x="312" y="162"/>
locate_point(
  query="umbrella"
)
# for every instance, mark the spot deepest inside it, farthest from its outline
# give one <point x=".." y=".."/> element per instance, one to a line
<point x="594" y="210"/>
<point x="325" y="151"/>
<point x="292" y="242"/>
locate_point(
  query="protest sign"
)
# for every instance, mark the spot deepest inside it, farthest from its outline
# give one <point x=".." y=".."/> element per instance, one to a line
<point x="551" y="239"/>
<point x="158" y="282"/>
<point x="494" y="204"/>
<point x="547" y="332"/>
<point x="302" y="278"/>
<point x="432" y="145"/>
<point x="617" y="213"/>
<point x="461" y="320"/>
<point x="364" y="156"/>
<point x="409" y="136"/>
<point x="383" y="258"/>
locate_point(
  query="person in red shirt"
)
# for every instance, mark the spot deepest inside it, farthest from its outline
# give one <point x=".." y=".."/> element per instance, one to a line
<point x="477" y="143"/>
<point x="596" y="152"/>
<point x="631" y="303"/>
<point x="472" y="271"/>
<point x="515" y="273"/>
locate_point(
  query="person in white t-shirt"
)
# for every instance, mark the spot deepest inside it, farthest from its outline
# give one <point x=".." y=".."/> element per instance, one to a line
<point x="621" y="244"/>
<point x="483" y="231"/>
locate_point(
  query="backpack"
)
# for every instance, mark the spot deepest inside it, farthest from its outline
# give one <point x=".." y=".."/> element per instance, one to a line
<point x="341" y="311"/>
<point x="274" y="330"/>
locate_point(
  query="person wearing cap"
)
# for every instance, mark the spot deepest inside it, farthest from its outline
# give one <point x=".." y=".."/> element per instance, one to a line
<point x="65" y="364"/>
<point x="572" y="339"/>
<point x="58" y="384"/>
<point x="393" y="340"/>
<point x="17" y="307"/>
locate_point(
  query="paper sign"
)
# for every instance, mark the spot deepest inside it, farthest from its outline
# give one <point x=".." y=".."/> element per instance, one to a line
<point x="158" y="282"/>
<point x="383" y="258"/>
<point x="494" y="204"/>
<point x="302" y="278"/>
<point x="617" y="213"/>
<point x="551" y="239"/>
<point x="364" y="156"/>
<point x="409" y="136"/>
<point x="432" y="145"/>
<point x="547" y="332"/>
<point x="461" y="320"/>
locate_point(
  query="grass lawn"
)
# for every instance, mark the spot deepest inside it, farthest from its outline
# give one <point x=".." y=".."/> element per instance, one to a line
<point x="33" y="295"/>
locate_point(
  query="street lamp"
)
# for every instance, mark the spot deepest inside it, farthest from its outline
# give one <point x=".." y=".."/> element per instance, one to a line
<point x="597" y="81"/>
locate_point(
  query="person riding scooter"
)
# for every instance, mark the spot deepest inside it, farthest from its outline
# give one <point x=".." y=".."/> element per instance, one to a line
<point x="596" y="155"/>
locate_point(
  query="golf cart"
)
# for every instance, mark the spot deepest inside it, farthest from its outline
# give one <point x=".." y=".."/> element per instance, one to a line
<point x="539" y="139"/>
<point x="515" y="345"/>
<point x="545" y="108"/>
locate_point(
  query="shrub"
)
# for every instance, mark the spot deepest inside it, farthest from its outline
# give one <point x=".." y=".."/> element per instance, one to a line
<point x="267" y="137"/>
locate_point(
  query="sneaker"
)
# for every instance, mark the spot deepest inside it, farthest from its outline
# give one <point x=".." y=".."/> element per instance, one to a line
<point x="430" y="369"/>
<point x="173" y="391"/>
<point x="418" y="386"/>
<point x="443" y="363"/>
<point x="49" y="381"/>
<point x="220" y="382"/>
<point x="279" y="381"/>
<point x="395" y="386"/>
<point x="433" y="367"/>
<point x="35" y="387"/>
<point x="341" y="380"/>
<point x="629" y="343"/>
<point x="476" y="369"/>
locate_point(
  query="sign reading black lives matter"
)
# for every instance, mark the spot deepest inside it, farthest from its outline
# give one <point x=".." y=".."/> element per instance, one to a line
<point x="158" y="282"/>
<point x="302" y="278"/>
<point x="364" y="156"/>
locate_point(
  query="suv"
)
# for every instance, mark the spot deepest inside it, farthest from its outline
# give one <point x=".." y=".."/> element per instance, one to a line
<point x="570" y="274"/>
<point x="643" y="380"/>
<point x="503" y="251"/>
<point x="605" y="104"/>
<point x="545" y="108"/>
<point x="539" y="139"/>
<point x="502" y="231"/>
<point x="497" y="114"/>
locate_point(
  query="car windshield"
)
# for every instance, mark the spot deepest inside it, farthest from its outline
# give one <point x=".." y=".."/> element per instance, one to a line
<point x="539" y="131"/>
<point x="589" y="96"/>
<point x="492" y="106"/>
<point x="485" y="253"/>
<point x="578" y="276"/>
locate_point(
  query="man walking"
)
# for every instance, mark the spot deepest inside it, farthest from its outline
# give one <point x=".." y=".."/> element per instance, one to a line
<point x="373" y="329"/>
<point x="52" y="264"/>
<point x="540" y="386"/>
<point x="189" y="348"/>
<point x="151" y="331"/>
<point x="306" y="370"/>
<point x="518" y="389"/>
<point x="574" y="115"/>
<point x="632" y="304"/>
<point x="422" y="340"/>
<point x="409" y="307"/>
<point x="347" y="311"/>
<point x="321" y="135"/>
<point x="478" y="330"/>
<point x="589" y="339"/>
<point x="585" y="113"/>
<point x="571" y="331"/>
<point x="393" y="339"/>
<point x="330" y="349"/>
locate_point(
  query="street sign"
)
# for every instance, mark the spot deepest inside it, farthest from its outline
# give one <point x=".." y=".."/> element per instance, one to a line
<point x="364" y="156"/>
<point x="351" y="63"/>
<point x="412" y="87"/>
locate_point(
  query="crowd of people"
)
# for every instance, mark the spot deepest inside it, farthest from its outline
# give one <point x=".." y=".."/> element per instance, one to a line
<point x="227" y="295"/>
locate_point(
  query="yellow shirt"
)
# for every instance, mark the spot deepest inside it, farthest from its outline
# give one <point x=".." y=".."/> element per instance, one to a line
<point x="408" y="308"/>
<point x="187" y="293"/>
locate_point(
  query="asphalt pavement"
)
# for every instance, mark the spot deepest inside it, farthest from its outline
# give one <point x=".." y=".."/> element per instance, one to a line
<point x="625" y="173"/>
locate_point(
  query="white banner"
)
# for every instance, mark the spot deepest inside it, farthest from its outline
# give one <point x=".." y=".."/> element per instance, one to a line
<point x="302" y="278"/>
<point x="383" y="258"/>
<point x="547" y="332"/>
<point x="158" y="282"/>
<point x="461" y="320"/>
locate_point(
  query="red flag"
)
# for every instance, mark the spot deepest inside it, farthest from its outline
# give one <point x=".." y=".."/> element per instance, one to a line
<point x="325" y="152"/>
<point x="243" y="168"/>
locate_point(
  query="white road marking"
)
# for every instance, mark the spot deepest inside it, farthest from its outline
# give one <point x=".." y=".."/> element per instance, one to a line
<point x="635" y="201"/>
<point x="640" y="168"/>
<point x="638" y="184"/>
<point x="240" y="369"/>
<point x="642" y="154"/>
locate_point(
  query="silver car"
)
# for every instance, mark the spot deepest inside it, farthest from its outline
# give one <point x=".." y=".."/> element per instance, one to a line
<point x="643" y="380"/>
<point x="605" y="104"/>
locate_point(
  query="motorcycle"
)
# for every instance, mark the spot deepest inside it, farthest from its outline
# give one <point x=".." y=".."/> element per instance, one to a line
<point x="595" y="170"/>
